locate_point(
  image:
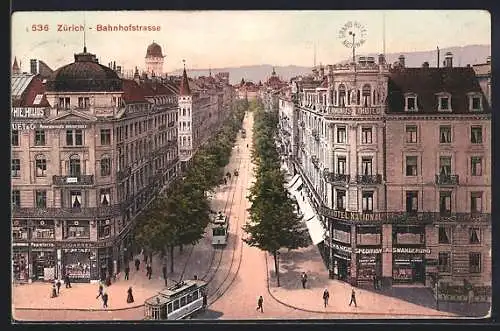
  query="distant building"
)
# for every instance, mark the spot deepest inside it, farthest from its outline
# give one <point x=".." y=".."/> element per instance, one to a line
<point x="154" y="60"/>
<point x="38" y="67"/>
<point x="247" y="90"/>
<point x="483" y="74"/>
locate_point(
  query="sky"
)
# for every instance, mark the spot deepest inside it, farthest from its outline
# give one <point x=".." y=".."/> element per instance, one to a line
<point x="217" y="39"/>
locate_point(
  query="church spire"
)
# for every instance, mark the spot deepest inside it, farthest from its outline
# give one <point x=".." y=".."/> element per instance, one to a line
<point x="184" y="89"/>
<point x="15" y="67"/>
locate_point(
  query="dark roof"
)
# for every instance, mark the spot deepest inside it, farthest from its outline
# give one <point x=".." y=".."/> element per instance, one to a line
<point x="427" y="82"/>
<point x="84" y="75"/>
<point x="184" y="89"/>
<point x="132" y="92"/>
<point x="154" y="50"/>
<point x="34" y="91"/>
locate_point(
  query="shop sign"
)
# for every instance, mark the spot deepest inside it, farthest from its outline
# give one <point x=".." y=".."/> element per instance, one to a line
<point x="353" y="216"/>
<point x="20" y="244"/>
<point x="369" y="250"/>
<point x="431" y="262"/>
<point x="43" y="245"/>
<point x="410" y="250"/>
<point x="77" y="245"/>
<point x="342" y="248"/>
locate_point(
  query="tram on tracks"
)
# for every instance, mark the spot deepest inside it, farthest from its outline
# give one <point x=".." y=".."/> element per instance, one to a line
<point x="220" y="229"/>
<point x="179" y="301"/>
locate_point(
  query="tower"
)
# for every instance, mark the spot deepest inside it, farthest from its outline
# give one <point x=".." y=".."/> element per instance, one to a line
<point x="154" y="60"/>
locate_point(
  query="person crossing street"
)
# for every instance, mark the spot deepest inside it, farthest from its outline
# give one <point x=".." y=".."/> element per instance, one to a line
<point x="260" y="302"/>
<point x="353" y="298"/>
<point x="326" y="296"/>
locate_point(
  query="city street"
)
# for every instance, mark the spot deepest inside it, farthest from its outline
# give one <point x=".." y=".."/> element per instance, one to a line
<point x="237" y="275"/>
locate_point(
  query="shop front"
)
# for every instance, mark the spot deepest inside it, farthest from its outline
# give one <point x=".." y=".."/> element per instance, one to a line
<point x="369" y="264"/>
<point x="409" y="265"/>
<point x="20" y="262"/>
<point x="79" y="261"/>
<point x="105" y="262"/>
<point x="44" y="261"/>
<point x="341" y="262"/>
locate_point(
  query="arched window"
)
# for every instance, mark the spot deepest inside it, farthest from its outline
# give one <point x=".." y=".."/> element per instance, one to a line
<point x="75" y="168"/>
<point x="105" y="165"/>
<point x="342" y="95"/>
<point x="366" y="95"/>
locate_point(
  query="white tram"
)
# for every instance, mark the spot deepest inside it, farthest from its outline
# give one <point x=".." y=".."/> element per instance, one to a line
<point x="220" y="229"/>
<point x="177" y="302"/>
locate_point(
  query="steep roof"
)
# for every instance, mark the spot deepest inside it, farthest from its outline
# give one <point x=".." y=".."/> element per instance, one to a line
<point x="28" y="91"/>
<point x="132" y="92"/>
<point x="427" y="82"/>
<point x="184" y="89"/>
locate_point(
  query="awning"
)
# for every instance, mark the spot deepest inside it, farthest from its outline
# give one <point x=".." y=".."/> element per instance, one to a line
<point x="316" y="230"/>
<point x="292" y="181"/>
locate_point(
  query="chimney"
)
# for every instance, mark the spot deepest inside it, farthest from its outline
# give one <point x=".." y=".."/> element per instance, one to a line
<point x="401" y="59"/>
<point x="448" y="60"/>
<point x="425" y="64"/>
<point x="381" y="59"/>
<point x="322" y="71"/>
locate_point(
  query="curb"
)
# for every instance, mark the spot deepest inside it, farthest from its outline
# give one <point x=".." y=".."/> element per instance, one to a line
<point x="78" y="309"/>
<point x="339" y="313"/>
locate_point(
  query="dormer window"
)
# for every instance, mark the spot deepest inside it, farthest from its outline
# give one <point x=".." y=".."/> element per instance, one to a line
<point x="444" y="102"/>
<point x="475" y="102"/>
<point x="411" y="102"/>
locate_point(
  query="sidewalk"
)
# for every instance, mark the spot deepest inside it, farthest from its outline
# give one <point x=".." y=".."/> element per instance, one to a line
<point x="396" y="303"/>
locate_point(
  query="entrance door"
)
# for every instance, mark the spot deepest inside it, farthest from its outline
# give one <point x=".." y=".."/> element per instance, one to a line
<point x="342" y="269"/>
<point x="419" y="272"/>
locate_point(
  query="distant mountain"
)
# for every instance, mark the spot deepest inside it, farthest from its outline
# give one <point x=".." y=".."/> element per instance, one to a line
<point x="470" y="54"/>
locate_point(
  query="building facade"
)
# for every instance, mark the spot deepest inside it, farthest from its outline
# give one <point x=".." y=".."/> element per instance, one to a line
<point x="89" y="152"/>
<point x="395" y="162"/>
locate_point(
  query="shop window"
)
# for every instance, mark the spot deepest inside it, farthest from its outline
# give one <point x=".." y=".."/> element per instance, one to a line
<point x="41" y="166"/>
<point x="411" y="134"/>
<point x="445" y="165"/>
<point x="16" y="198"/>
<point x="105" y="196"/>
<point x="341" y="199"/>
<point x="445" y="134"/>
<point x="341" y="135"/>
<point x="411" y="201"/>
<point x="474" y="236"/>
<point x="75" y="168"/>
<point x="476" y="202"/>
<point x="366" y="166"/>
<point x="76" y="199"/>
<point x="41" y="199"/>
<point x="476" y="166"/>
<point x="14" y="138"/>
<point x="44" y="232"/>
<point x="16" y="168"/>
<point x="341" y="165"/>
<point x="474" y="262"/>
<point x="20" y="233"/>
<point x="104" y="229"/>
<point x="105" y="137"/>
<point x="73" y="229"/>
<point x="444" y="262"/>
<point x="39" y="138"/>
<point x="444" y="235"/>
<point x="411" y="165"/>
<point x="445" y="203"/>
<point x="367" y="202"/>
<point x="105" y="166"/>
<point x="476" y="135"/>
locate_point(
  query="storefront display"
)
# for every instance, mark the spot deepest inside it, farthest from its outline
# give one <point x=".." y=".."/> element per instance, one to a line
<point x="408" y="268"/>
<point x="44" y="263"/>
<point x="20" y="265"/>
<point x="77" y="264"/>
<point x="342" y="264"/>
<point x="368" y="264"/>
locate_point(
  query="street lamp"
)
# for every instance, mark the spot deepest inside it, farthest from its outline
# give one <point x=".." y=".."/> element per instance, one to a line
<point x="437" y="292"/>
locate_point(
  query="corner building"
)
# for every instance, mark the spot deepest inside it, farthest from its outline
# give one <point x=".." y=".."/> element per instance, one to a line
<point x="83" y="171"/>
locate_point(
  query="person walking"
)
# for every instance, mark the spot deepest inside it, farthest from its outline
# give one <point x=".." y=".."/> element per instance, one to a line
<point x="326" y="296"/>
<point x="54" y="291"/>
<point x="304" y="279"/>
<point x="375" y="283"/>
<point x="58" y="285"/>
<point x="67" y="282"/>
<point x="127" y="271"/>
<point x="130" y="296"/>
<point x="149" y="271"/>
<point x="353" y="298"/>
<point x="137" y="264"/>
<point x="105" y="300"/>
<point x="101" y="289"/>
<point x="259" y="304"/>
<point x="164" y="272"/>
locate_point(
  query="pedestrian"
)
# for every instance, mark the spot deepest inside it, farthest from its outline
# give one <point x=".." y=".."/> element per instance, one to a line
<point x="259" y="304"/>
<point x="54" y="291"/>
<point x="105" y="300"/>
<point x="164" y="272"/>
<point x="127" y="271"/>
<point x="326" y="296"/>
<point x="247" y="145"/>
<point x="130" y="297"/>
<point x="137" y="264"/>
<point x="101" y="289"/>
<point x="353" y="298"/>
<point x="146" y="258"/>
<point x="375" y="284"/>
<point x="58" y="284"/>
<point x="67" y="282"/>
<point x="304" y="279"/>
<point x="150" y="271"/>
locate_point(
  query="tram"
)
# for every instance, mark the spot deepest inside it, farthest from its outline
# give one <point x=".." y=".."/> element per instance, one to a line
<point x="179" y="301"/>
<point x="220" y="229"/>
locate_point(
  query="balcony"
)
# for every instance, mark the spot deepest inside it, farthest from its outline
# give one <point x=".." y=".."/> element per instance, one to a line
<point x="73" y="180"/>
<point x="444" y="179"/>
<point x="369" y="179"/>
<point x="339" y="179"/>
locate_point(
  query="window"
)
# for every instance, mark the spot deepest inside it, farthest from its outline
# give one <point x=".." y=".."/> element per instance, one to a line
<point x="341" y="200"/>
<point x="411" y="201"/>
<point x="39" y="138"/>
<point x="411" y="103"/>
<point x="183" y="301"/>
<point x="176" y="304"/>
<point x="16" y="198"/>
<point x="445" y="134"/>
<point x="474" y="236"/>
<point x="41" y="166"/>
<point x="445" y="165"/>
<point x="474" y="262"/>
<point x="83" y="102"/>
<point x="169" y="308"/>
<point x="74" y="165"/>
<point x="366" y="95"/>
<point x="105" y="195"/>
<point x="445" y="203"/>
<point x="367" y="202"/>
<point x="341" y="165"/>
<point x="411" y="134"/>
<point x="444" y="103"/>
<point x="341" y="135"/>
<point x="74" y="137"/>
<point x="14" y="138"/>
<point x="16" y="168"/>
<point x="366" y="135"/>
<point x="64" y="103"/>
<point x="476" y="135"/>
<point x="411" y="165"/>
<point x="476" y="202"/>
<point x="73" y="229"/>
<point x="41" y="199"/>
<point x="342" y="95"/>
<point x="366" y="166"/>
<point x="104" y="229"/>
<point x="444" y="262"/>
<point x="444" y="235"/>
<point x="76" y="199"/>
<point x="105" y="137"/>
<point x="476" y="166"/>
<point x="475" y="103"/>
<point x="105" y="166"/>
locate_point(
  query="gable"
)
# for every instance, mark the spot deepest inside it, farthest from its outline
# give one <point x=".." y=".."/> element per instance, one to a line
<point x="72" y="117"/>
